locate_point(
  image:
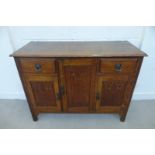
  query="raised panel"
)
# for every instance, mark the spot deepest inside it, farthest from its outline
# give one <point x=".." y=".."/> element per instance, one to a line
<point x="78" y="83"/>
<point x="44" y="92"/>
<point x="110" y="92"/>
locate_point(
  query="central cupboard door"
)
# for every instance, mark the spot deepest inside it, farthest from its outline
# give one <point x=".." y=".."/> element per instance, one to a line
<point x="77" y="78"/>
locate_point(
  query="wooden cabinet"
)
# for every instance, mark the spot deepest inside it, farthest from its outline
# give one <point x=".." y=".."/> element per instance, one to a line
<point x="79" y="77"/>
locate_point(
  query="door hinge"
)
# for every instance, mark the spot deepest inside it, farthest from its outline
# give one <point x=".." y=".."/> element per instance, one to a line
<point x="62" y="90"/>
<point x="58" y="96"/>
<point x="97" y="96"/>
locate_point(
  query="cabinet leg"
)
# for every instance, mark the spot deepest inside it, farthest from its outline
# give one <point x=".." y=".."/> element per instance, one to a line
<point x="35" y="118"/>
<point x="123" y="117"/>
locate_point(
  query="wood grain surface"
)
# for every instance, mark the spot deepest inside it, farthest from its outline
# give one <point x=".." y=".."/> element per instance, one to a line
<point x="79" y="77"/>
<point x="79" y="49"/>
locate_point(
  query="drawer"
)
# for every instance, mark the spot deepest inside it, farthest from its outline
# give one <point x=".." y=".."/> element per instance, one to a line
<point x="118" y="65"/>
<point x="38" y="65"/>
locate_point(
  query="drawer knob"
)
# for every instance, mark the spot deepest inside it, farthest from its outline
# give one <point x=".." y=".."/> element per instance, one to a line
<point x="37" y="67"/>
<point x="118" y="67"/>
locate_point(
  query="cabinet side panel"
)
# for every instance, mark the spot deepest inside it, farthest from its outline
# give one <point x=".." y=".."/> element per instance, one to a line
<point x="33" y="112"/>
<point x="130" y="90"/>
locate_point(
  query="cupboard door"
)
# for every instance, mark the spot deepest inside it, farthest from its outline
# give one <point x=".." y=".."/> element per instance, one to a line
<point x="110" y="92"/>
<point x="44" y="92"/>
<point x="79" y="85"/>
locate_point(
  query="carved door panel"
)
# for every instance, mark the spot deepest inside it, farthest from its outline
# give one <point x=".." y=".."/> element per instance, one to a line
<point x="44" y="92"/>
<point x="78" y="81"/>
<point x="110" y="92"/>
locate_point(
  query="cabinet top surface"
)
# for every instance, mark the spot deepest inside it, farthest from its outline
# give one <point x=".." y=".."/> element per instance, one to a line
<point x="79" y="49"/>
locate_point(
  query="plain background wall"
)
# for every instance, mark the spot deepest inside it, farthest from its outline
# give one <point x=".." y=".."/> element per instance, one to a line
<point x="12" y="38"/>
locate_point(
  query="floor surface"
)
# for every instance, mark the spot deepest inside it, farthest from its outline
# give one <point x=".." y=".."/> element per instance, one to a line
<point x="15" y="114"/>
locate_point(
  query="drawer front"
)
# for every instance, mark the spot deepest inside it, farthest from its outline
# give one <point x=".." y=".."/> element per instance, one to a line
<point x="118" y="65"/>
<point x="38" y="65"/>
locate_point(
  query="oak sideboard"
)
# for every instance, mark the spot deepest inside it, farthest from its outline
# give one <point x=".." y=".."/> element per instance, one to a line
<point x="79" y="77"/>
